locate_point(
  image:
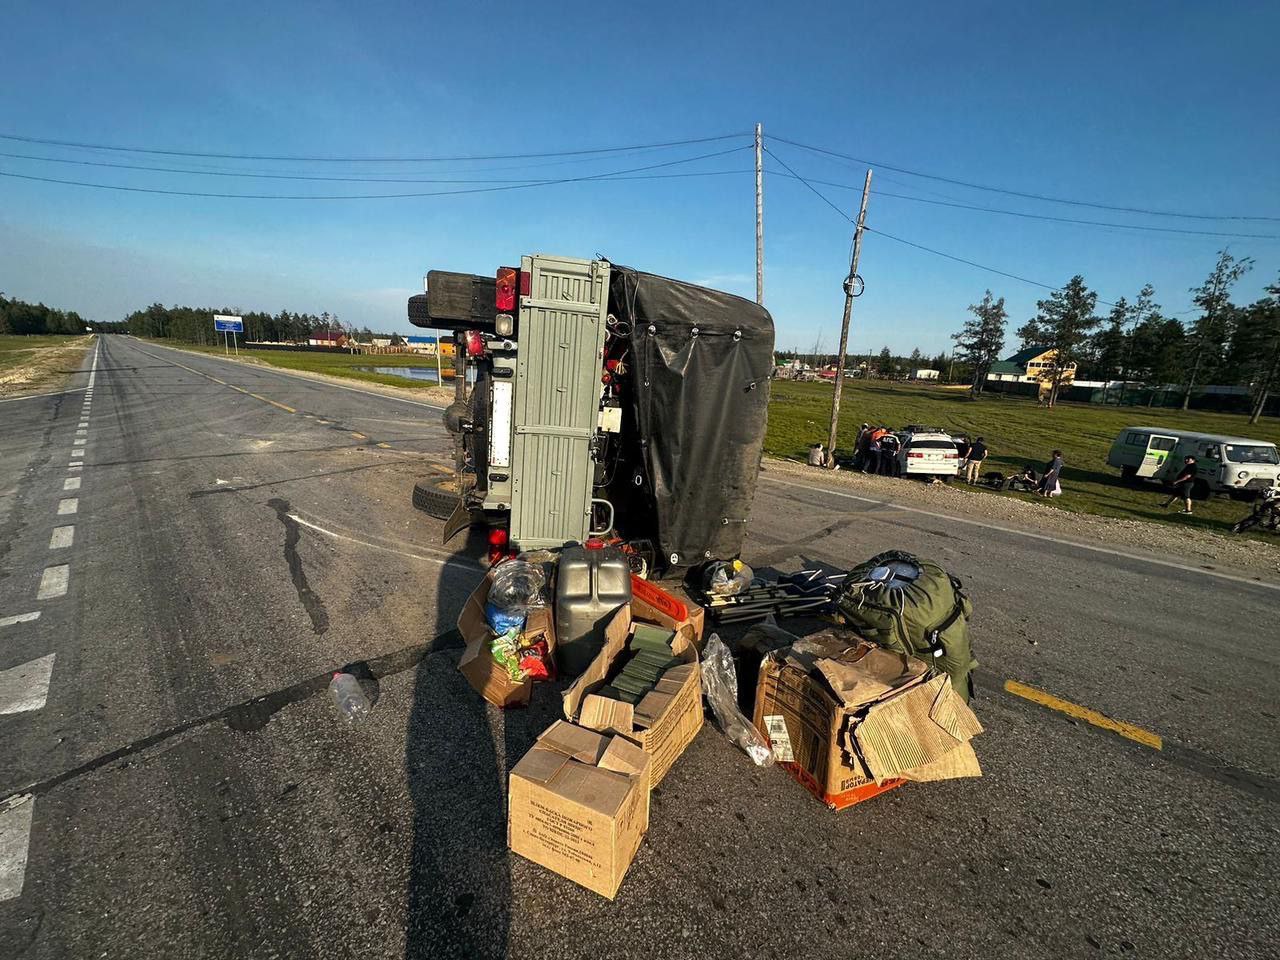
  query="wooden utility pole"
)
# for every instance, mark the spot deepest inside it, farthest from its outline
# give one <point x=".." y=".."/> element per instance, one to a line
<point x="849" y="292"/>
<point x="759" y="214"/>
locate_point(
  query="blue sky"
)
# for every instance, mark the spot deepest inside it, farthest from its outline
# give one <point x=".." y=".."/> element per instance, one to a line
<point x="1167" y="105"/>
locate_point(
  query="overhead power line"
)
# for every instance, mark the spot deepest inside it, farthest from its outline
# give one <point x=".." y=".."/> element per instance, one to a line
<point x="612" y="175"/>
<point x="396" y="159"/>
<point x="1018" y="193"/>
<point x="920" y="246"/>
<point x="1041" y="216"/>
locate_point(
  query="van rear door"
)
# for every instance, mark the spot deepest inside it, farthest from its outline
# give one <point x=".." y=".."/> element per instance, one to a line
<point x="1158" y="449"/>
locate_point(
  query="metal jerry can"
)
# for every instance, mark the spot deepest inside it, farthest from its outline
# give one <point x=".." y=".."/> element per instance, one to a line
<point x="591" y="585"/>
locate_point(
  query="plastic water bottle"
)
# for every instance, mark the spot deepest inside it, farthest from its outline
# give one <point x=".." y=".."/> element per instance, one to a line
<point x="353" y="706"/>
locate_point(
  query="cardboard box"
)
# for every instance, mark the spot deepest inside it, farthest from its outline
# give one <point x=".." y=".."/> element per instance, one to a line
<point x="654" y="608"/>
<point x="579" y="805"/>
<point x="848" y="730"/>
<point x="674" y="723"/>
<point x="486" y="675"/>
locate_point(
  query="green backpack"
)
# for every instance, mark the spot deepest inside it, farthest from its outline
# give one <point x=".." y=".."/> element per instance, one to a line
<point x="927" y="617"/>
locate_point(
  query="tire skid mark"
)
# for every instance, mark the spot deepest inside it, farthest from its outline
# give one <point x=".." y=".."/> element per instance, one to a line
<point x="311" y="601"/>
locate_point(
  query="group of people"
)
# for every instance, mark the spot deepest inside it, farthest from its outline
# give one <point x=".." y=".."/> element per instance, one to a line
<point x="1046" y="484"/>
<point x="876" y="451"/>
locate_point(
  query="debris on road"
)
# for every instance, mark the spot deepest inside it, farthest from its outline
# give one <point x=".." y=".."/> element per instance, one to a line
<point x="720" y="686"/>
<point x="353" y="706"/>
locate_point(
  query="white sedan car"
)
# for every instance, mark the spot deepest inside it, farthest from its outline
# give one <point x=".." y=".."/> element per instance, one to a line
<point x="929" y="455"/>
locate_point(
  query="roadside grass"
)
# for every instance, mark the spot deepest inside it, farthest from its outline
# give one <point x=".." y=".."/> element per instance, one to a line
<point x="1017" y="432"/>
<point x="17" y="349"/>
<point x="334" y="364"/>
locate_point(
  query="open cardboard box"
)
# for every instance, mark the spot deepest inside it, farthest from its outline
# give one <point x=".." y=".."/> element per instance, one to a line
<point x="579" y="805"/>
<point x="847" y="740"/>
<point x="674" y="715"/>
<point x="486" y="675"/>
<point x="661" y="603"/>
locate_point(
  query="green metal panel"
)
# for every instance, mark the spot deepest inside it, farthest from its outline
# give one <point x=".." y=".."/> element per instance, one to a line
<point x="557" y="400"/>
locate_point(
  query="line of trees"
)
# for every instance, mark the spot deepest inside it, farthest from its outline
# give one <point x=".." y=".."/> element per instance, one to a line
<point x="20" y="317"/>
<point x="195" y="324"/>
<point x="1227" y="343"/>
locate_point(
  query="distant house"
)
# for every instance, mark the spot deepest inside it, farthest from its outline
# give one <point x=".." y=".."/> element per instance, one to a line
<point x="429" y="345"/>
<point x="1031" y="365"/>
<point x="924" y="374"/>
<point x="327" y="338"/>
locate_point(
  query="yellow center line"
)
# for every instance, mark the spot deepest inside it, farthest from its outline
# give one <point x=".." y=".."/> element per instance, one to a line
<point x="360" y="436"/>
<point x="385" y="446"/>
<point x="1074" y="710"/>
<point x="224" y="383"/>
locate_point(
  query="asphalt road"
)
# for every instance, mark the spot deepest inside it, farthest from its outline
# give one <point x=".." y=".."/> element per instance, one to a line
<point x="179" y="785"/>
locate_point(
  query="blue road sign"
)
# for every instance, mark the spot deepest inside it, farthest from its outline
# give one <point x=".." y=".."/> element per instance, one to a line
<point x="223" y="324"/>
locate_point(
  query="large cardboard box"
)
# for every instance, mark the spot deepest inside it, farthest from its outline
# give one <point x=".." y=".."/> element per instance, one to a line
<point x="485" y="674"/>
<point x="676" y="711"/>
<point x="579" y="805"/>
<point x="849" y="724"/>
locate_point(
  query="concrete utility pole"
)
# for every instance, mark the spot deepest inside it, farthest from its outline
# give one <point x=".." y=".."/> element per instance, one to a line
<point x="759" y="214"/>
<point x="849" y="293"/>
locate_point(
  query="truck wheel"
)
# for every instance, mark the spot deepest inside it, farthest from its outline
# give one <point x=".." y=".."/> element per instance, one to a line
<point x="1129" y="472"/>
<point x="436" y="496"/>
<point x="1200" y="490"/>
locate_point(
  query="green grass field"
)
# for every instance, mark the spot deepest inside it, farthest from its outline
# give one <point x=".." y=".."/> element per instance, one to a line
<point x="335" y="364"/>
<point x="17" y="350"/>
<point x="1017" y="431"/>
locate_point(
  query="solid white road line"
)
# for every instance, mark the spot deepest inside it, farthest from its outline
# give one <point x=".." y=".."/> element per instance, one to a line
<point x="37" y="396"/>
<point x="68" y="505"/>
<point x="15" y="838"/>
<point x="62" y="537"/>
<point x="53" y="582"/>
<point x="20" y="618"/>
<point x="1186" y="568"/>
<point x="443" y="561"/>
<point x="26" y="687"/>
<point x="71" y="483"/>
<point x="93" y="373"/>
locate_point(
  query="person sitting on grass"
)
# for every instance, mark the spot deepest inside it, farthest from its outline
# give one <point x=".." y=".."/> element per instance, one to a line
<point x="1182" y="485"/>
<point x="1028" y="481"/>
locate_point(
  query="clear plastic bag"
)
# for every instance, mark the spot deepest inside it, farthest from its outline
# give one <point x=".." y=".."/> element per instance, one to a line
<point x="516" y="587"/>
<point x="720" y="686"/>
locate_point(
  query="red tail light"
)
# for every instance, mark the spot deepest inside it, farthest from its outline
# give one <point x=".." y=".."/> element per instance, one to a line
<point x="915" y="456"/>
<point x="506" y="296"/>
<point x="497" y="544"/>
<point x="475" y="343"/>
<point x="526" y="283"/>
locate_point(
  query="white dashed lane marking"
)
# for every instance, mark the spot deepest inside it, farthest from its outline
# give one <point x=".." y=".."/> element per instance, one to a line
<point x="79" y="441"/>
<point x="62" y="537"/>
<point x="75" y="465"/>
<point x="77" y="452"/>
<point x="20" y="618"/>
<point x="71" y="483"/>
<point x="68" y="505"/>
<point x="15" y="837"/>
<point x="26" y="686"/>
<point x="53" y="582"/>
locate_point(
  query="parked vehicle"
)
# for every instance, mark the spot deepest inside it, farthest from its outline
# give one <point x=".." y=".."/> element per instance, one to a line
<point x="927" y="452"/>
<point x="1265" y="514"/>
<point x="1236" y="466"/>
<point x="607" y="403"/>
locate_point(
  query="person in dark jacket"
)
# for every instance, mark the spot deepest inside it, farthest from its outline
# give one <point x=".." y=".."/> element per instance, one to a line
<point x="1182" y="484"/>
<point x="1049" y="483"/>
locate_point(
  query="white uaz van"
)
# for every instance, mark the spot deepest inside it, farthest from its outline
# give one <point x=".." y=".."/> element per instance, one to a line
<point x="1236" y="466"/>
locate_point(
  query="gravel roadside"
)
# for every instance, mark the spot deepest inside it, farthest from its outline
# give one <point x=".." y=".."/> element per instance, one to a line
<point x="1250" y="557"/>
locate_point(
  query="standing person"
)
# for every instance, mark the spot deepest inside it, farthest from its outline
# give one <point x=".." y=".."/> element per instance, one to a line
<point x="977" y="453"/>
<point x="962" y="447"/>
<point x="1049" y="485"/>
<point x="872" y="464"/>
<point x="1182" y="485"/>
<point x="860" y="447"/>
<point x="889" y="455"/>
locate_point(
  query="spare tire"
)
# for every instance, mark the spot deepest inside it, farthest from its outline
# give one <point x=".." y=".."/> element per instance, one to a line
<point x="436" y="496"/>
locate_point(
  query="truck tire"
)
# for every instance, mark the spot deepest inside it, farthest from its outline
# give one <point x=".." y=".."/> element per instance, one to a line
<point x="1129" y="472"/>
<point x="436" y="496"/>
<point x="1200" y="490"/>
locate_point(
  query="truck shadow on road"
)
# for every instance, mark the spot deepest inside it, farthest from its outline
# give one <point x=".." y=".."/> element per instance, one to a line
<point x="458" y="752"/>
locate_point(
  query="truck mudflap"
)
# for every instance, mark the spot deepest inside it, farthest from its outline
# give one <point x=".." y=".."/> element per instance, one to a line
<point x="461" y="518"/>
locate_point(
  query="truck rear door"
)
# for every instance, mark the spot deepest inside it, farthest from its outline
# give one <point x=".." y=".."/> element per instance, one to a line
<point x="1158" y="448"/>
<point x="557" y="399"/>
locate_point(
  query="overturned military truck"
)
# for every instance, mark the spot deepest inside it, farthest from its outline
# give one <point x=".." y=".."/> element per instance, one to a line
<point x="594" y="400"/>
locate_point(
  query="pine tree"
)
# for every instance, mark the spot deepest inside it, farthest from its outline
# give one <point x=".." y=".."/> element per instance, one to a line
<point x="981" y="339"/>
<point x="1062" y="327"/>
